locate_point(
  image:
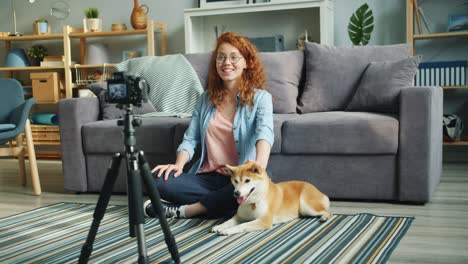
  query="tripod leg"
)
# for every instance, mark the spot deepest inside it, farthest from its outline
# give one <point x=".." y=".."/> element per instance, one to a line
<point x="135" y="203"/>
<point x="157" y="205"/>
<point x="101" y="206"/>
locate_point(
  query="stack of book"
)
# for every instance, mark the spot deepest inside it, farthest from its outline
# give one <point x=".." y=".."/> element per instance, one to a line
<point x="441" y="73"/>
<point x="56" y="60"/>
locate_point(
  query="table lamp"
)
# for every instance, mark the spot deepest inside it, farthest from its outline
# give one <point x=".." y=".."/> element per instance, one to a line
<point x="16" y="33"/>
<point x="16" y="58"/>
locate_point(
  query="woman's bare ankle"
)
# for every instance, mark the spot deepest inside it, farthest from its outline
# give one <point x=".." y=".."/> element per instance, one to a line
<point x="196" y="209"/>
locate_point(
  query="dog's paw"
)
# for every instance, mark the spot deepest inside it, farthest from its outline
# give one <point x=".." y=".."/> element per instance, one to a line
<point x="227" y="231"/>
<point x="326" y="216"/>
<point x="217" y="229"/>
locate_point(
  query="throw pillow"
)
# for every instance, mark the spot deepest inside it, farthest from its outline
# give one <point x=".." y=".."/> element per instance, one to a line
<point x="201" y="64"/>
<point x="332" y="73"/>
<point x="381" y="84"/>
<point x="283" y="71"/>
<point x="110" y="111"/>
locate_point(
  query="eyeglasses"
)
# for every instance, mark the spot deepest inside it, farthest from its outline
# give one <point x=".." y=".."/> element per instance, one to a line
<point x="232" y="59"/>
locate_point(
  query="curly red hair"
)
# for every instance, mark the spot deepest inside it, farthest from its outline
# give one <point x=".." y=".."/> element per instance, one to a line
<point x="252" y="77"/>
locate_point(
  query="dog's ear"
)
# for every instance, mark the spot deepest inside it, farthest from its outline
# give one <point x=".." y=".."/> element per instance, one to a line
<point x="230" y="169"/>
<point x="255" y="168"/>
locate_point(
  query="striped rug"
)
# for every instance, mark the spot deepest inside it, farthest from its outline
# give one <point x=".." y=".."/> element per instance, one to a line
<point x="55" y="234"/>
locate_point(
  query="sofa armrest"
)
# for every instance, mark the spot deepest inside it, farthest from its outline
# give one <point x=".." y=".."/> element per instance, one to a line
<point x="420" y="146"/>
<point x="73" y="114"/>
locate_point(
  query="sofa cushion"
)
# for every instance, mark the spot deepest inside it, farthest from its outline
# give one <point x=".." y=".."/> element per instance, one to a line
<point x="110" y="111"/>
<point x="380" y="86"/>
<point x="201" y="64"/>
<point x="154" y="136"/>
<point x="332" y="73"/>
<point x="283" y="71"/>
<point x="341" y="133"/>
<point x="278" y="121"/>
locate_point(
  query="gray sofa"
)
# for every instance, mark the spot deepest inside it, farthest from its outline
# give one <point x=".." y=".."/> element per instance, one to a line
<point x="346" y="120"/>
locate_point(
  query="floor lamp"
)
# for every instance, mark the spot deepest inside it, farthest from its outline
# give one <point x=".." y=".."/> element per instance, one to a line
<point x="16" y="33"/>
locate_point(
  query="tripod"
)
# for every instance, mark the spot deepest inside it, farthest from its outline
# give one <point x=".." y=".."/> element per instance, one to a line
<point x="137" y="167"/>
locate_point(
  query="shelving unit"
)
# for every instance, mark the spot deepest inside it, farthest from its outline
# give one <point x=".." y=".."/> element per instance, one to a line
<point x="151" y="28"/>
<point x="261" y="20"/>
<point x="411" y="38"/>
<point x="70" y="33"/>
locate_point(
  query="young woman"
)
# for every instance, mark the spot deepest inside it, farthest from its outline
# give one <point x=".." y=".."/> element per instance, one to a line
<point x="232" y="122"/>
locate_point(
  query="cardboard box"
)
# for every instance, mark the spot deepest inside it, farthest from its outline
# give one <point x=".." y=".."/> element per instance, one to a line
<point x="45" y="135"/>
<point x="45" y="86"/>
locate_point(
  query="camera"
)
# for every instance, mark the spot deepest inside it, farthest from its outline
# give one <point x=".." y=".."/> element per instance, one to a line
<point x="126" y="89"/>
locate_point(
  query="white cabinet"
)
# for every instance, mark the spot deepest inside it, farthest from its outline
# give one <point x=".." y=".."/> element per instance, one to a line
<point x="260" y="20"/>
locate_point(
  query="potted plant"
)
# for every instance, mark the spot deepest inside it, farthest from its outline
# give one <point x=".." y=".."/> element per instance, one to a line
<point x="42" y="26"/>
<point x="92" y="23"/>
<point x="37" y="52"/>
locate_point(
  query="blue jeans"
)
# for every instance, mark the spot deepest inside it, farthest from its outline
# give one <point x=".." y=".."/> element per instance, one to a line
<point x="213" y="190"/>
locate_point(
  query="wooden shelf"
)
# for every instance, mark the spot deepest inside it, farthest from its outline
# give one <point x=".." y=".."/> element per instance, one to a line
<point x="456" y="143"/>
<point x="32" y="68"/>
<point x="87" y="66"/>
<point x="32" y="37"/>
<point x="108" y="33"/>
<point x="441" y="35"/>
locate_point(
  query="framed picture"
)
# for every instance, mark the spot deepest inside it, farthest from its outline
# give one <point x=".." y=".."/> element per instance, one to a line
<point x="220" y="3"/>
<point x="128" y="54"/>
<point x="457" y="23"/>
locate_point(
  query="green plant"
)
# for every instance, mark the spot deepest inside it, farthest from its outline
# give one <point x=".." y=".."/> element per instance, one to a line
<point x="37" y="51"/>
<point x="361" y="25"/>
<point x="91" y="12"/>
<point x="41" y="20"/>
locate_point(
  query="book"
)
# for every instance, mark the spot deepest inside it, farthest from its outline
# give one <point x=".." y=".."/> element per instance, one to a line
<point x="54" y="58"/>
<point x="52" y="63"/>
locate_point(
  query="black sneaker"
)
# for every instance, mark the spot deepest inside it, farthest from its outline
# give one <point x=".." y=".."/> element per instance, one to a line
<point x="169" y="210"/>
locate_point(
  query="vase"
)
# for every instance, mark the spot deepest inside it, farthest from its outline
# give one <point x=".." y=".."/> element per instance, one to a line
<point x="139" y="18"/>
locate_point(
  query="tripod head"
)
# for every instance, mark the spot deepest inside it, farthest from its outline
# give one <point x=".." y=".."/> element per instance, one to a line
<point x="129" y="122"/>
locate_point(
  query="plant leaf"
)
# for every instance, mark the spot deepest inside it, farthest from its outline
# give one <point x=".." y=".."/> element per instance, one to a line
<point x="361" y="25"/>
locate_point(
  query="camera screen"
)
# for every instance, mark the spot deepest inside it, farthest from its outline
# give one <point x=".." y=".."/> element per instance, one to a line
<point x="117" y="90"/>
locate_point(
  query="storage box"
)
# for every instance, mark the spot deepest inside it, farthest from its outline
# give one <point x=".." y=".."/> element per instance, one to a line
<point x="45" y="135"/>
<point x="269" y="44"/>
<point x="45" y="86"/>
<point x="441" y="73"/>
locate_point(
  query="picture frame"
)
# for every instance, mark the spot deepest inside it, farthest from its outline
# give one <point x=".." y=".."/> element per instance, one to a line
<point x="457" y="22"/>
<point x="128" y="54"/>
<point x="220" y="3"/>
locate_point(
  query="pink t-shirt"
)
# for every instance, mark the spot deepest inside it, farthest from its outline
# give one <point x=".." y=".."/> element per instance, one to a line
<point x="219" y="142"/>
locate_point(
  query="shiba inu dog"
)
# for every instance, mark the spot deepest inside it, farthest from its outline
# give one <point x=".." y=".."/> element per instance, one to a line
<point x="263" y="203"/>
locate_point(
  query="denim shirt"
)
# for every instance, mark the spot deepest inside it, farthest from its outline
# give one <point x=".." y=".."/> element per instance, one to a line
<point x="251" y="123"/>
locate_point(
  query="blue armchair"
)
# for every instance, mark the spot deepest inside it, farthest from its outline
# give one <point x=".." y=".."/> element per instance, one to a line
<point x="14" y="111"/>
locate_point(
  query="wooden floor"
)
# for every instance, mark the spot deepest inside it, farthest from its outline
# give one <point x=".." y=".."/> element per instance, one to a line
<point x="439" y="233"/>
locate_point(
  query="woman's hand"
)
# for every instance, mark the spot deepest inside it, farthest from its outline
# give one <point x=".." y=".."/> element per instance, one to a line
<point x="166" y="169"/>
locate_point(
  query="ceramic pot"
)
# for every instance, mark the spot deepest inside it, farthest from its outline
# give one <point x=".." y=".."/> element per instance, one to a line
<point x="43" y="27"/>
<point x="94" y="24"/>
<point x="139" y="18"/>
